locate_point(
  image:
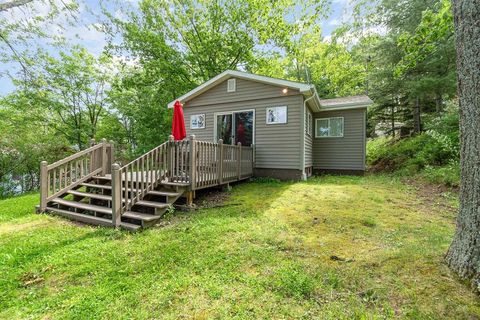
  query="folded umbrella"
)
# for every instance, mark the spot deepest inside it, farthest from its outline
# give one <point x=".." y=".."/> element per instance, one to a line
<point x="178" y="123"/>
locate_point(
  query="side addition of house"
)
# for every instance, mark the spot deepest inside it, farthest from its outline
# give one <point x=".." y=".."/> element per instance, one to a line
<point x="295" y="133"/>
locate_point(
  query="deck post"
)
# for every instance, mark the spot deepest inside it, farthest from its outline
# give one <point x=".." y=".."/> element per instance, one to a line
<point x="220" y="161"/>
<point x="110" y="156"/>
<point x="116" y="195"/>
<point x="92" y="156"/>
<point x="170" y="157"/>
<point x="239" y="160"/>
<point x="104" y="157"/>
<point x="43" y="186"/>
<point x="193" y="163"/>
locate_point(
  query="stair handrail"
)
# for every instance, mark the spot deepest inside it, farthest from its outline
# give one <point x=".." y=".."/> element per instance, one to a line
<point x="134" y="180"/>
<point x="65" y="174"/>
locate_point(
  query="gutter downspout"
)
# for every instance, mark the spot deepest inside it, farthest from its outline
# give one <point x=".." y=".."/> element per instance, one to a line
<point x="304" y="175"/>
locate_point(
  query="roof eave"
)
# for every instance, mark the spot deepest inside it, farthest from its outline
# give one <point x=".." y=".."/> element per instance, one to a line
<point x="303" y="88"/>
<point x="312" y="91"/>
<point x="346" y="107"/>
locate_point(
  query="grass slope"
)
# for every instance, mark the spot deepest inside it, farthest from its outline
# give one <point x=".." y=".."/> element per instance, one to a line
<point x="269" y="257"/>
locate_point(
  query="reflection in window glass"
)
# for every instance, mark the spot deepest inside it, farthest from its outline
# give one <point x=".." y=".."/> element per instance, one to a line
<point x="336" y="127"/>
<point x="323" y="128"/>
<point x="329" y="127"/>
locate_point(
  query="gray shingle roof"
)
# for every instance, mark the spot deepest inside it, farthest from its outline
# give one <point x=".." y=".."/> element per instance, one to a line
<point x="360" y="100"/>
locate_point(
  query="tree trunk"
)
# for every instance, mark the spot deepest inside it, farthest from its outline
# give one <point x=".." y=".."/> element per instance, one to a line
<point x="392" y="118"/>
<point x="417" y="120"/>
<point x="463" y="256"/>
<point x="438" y="103"/>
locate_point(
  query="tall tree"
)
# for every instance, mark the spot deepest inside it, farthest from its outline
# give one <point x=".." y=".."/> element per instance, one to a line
<point x="74" y="89"/>
<point x="463" y="255"/>
<point x="28" y="24"/>
<point x="176" y="45"/>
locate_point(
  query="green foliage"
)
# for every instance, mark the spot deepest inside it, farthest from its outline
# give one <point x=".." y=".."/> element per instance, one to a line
<point x="25" y="140"/>
<point x="409" y="55"/>
<point x="73" y="88"/>
<point x="409" y="155"/>
<point x="434" y="153"/>
<point x="434" y="32"/>
<point x="448" y="175"/>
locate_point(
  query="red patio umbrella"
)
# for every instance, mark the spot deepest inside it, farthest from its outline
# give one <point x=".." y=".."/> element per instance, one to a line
<point x="178" y="123"/>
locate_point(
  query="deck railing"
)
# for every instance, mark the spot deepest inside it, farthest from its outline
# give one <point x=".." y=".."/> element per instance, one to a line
<point x="65" y="174"/>
<point x="196" y="164"/>
<point x="219" y="163"/>
<point x="190" y="163"/>
<point x="134" y="180"/>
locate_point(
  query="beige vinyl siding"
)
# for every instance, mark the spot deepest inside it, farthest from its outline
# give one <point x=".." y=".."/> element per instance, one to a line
<point x="245" y="90"/>
<point x="308" y="141"/>
<point x="277" y="145"/>
<point x="347" y="152"/>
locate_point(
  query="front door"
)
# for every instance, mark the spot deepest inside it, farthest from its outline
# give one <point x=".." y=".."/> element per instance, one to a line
<point x="235" y="127"/>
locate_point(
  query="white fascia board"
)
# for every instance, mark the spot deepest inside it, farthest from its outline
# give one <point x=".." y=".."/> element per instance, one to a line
<point x="345" y="107"/>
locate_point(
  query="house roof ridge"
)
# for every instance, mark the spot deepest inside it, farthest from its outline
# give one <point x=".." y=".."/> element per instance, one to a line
<point x="302" y="87"/>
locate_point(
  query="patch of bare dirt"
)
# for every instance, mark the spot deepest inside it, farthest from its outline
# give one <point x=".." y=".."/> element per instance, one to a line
<point x="212" y="199"/>
<point x="433" y="195"/>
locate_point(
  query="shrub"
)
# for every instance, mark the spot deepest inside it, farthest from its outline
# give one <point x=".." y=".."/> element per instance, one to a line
<point x="448" y="175"/>
<point x="434" y="153"/>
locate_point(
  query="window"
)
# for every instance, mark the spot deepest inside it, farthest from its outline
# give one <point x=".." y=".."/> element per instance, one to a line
<point x="231" y="85"/>
<point x="197" y="121"/>
<point x="308" y="123"/>
<point x="276" y="115"/>
<point x="329" y="127"/>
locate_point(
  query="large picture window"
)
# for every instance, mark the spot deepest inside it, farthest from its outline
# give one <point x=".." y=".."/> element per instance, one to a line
<point x="329" y="127"/>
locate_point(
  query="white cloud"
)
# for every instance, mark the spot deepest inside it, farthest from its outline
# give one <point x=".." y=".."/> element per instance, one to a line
<point x="353" y="38"/>
<point x="334" y="22"/>
<point x="327" y="39"/>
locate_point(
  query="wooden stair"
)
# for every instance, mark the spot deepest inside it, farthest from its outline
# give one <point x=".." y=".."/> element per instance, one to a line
<point x="91" y="202"/>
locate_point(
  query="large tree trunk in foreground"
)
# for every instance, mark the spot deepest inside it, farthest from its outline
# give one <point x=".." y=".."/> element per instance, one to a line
<point x="463" y="256"/>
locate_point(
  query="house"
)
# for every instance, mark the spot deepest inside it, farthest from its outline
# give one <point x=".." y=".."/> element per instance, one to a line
<point x="267" y="127"/>
<point x="295" y="133"/>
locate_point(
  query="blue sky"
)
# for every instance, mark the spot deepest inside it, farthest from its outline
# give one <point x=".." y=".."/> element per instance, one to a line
<point x="84" y="32"/>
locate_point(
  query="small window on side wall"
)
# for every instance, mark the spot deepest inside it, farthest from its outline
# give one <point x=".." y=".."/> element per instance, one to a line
<point x="329" y="127"/>
<point x="308" y="123"/>
<point x="231" y="85"/>
<point x="276" y="115"/>
<point x="197" y="121"/>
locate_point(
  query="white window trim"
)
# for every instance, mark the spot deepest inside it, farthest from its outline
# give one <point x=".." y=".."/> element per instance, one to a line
<point x="232" y="112"/>
<point x="321" y="137"/>
<point x="276" y="123"/>
<point x="204" y="121"/>
<point x="234" y="82"/>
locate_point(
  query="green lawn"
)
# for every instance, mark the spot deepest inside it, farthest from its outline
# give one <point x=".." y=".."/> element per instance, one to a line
<point x="266" y="255"/>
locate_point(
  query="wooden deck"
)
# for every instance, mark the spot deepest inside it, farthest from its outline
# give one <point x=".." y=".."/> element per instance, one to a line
<point x="138" y="193"/>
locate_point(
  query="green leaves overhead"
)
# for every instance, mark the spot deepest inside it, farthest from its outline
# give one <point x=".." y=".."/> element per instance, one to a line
<point x="430" y="39"/>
